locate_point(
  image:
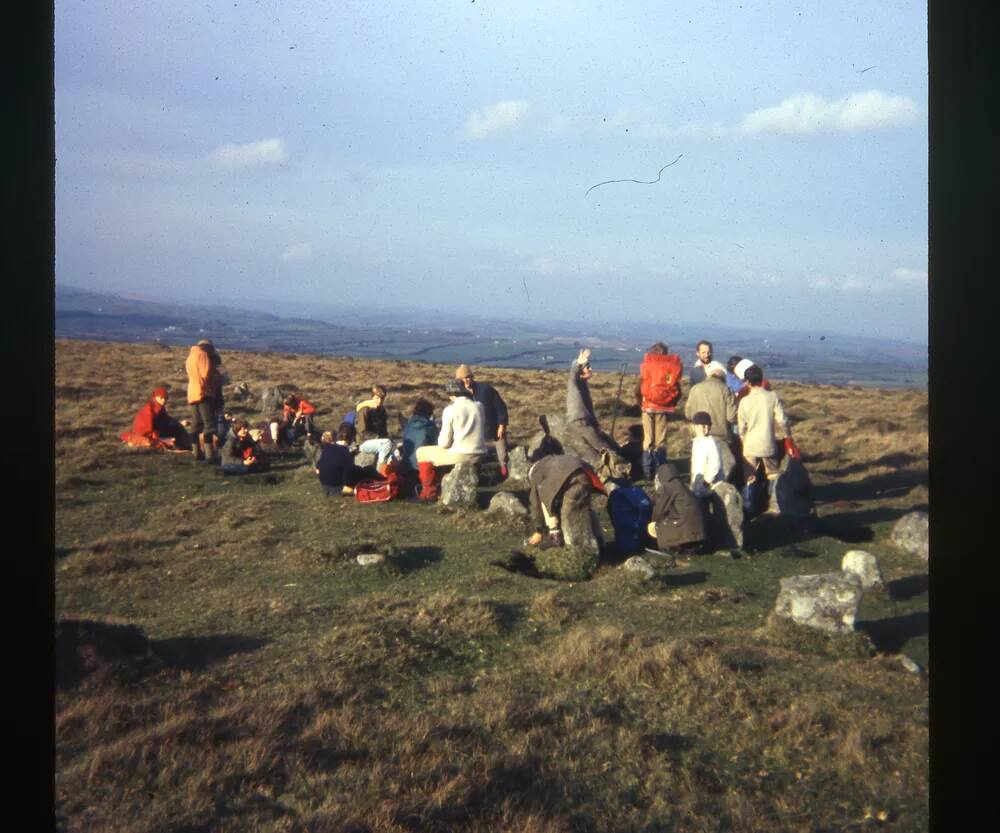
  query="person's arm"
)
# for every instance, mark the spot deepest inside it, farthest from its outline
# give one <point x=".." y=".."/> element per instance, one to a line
<point x="741" y="419"/>
<point x="780" y="417"/>
<point x="446" y="436"/>
<point x="502" y="416"/>
<point x="730" y="406"/>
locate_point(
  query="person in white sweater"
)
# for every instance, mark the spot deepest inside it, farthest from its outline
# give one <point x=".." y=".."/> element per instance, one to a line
<point x="706" y="458"/>
<point x="461" y="439"/>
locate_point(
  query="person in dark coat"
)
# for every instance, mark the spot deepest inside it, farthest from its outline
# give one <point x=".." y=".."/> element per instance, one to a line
<point x="240" y="453"/>
<point x="678" y="516"/>
<point x="555" y="482"/>
<point x="495" y="429"/>
<point x="338" y="473"/>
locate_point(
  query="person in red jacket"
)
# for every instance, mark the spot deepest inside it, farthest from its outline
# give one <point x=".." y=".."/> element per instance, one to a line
<point x="296" y="419"/>
<point x="660" y="391"/>
<point x="154" y="427"/>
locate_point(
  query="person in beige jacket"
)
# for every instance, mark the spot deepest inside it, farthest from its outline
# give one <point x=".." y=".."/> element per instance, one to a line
<point x="715" y="398"/>
<point x="759" y="414"/>
<point x="461" y="439"/>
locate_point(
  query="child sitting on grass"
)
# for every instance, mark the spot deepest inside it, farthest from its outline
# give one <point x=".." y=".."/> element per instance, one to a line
<point x="240" y="453"/>
<point x="338" y="473"/>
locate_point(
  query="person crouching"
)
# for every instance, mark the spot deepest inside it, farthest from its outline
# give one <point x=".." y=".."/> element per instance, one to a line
<point x="559" y="483"/>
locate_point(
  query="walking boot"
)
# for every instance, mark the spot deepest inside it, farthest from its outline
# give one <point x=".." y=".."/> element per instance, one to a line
<point x="198" y="446"/>
<point x="428" y="481"/>
<point x="648" y="470"/>
<point x="748" y="498"/>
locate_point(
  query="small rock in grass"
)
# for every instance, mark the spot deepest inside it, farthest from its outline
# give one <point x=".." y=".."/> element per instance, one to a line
<point x="507" y="504"/>
<point x="639" y="565"/>
<point x="910" y="665"/>
<point x="865" y="566"/>
<point x="370" y="559"/>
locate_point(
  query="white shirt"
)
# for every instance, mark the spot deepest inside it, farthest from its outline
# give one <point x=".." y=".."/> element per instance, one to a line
<point x="462" y="425"/>
<point x="706" y="464"/>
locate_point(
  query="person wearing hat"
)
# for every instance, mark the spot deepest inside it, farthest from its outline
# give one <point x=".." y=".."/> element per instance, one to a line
<point x="496" y="413"/>
<point x="739" y="371"/>
<point x="713" y="396"/>
<point x="204" y="382"/>
<point x="759" y="413"/>
<point x="460" y="440"/>
<point x="706" y="455"/>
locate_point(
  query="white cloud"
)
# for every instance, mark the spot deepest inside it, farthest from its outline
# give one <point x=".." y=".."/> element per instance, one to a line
<point x="495" y="118"/>
<point x="904" y="273"/>
<point x="298" y="251"/>
<point x="808" y="113"/>
<point x="263" y="154"/>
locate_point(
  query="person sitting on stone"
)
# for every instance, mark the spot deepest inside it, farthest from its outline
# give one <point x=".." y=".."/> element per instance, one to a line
<point x="337" y="471"/>
<point x="296" y="419"/>
<point x="461" y="439"/>
<point x="759" y="414"/>
<point x="153" y="427"/>
<point x="372" y="425"/>
<point x="581" y="420"/>
<point x="240" y="453"/>
<point x="561" y="484"/>
<point x="678" y="519"/>
<point x="420" y="430"/>
<point x="496" y="413"/>
<point x="706" y="456"/>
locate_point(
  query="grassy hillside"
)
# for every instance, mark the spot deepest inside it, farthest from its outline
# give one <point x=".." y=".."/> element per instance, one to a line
<point x="225" y="665"/>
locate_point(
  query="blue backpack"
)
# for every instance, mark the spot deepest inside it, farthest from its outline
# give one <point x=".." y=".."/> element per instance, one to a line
<point x="631" y="510"/>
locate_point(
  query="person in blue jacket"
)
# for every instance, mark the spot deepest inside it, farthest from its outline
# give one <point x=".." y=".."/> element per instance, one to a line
<point x="420" y="430"/>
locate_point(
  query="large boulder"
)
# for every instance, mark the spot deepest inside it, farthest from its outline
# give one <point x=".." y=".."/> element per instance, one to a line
<point x="727" y="516"/>
<point x="505" y="503"/>
<point x="553" y="429"/>
<point x="517" y="464"/>
<point x="827" y="602"/>
<point x="792" y="490"/>
<point x="912" y="534"/>
<point x="459" y="486"/>
<point x="865" y="566"/>
<point x="271" y="400"/>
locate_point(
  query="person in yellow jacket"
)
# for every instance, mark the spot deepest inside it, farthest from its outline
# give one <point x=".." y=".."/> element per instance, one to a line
<point x="203" y="382"/>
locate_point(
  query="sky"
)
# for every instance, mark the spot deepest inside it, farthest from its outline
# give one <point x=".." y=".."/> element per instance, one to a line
<point x="460" y="155"/>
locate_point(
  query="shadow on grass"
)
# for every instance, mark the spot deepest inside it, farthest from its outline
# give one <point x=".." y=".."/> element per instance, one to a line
<point x="519" y="563"/>
<point x="768" y="532"/>
<point x="679" y="579"/>
<point x="891" y="634"/>
<point x="908" y="587"/>
<point x="194" y="653"/>
<point x="408" y="559"/>
<point x="897" y="460"/>
<point x="892" y="484"/>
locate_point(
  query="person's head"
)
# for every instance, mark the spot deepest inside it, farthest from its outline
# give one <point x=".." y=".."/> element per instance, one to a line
<point x="326" y="437"/>
<point x="346" y="433"/>
<point x="732" y="362"/>
<point x="456" y="389"/>
<point x="424" y="408"/>
<point x="241" y="427"/>
<point x="714" y="368"/>
<point x="161" y="396"/>
<point x="292" y="401"/>
<point x="704" y="350"/>
<point x="702" y="422"/>
<point x="464" y="375"/>
<point x="754" y="375"/>
<point x="378" y="394"/>
<point x="659" y="349"/>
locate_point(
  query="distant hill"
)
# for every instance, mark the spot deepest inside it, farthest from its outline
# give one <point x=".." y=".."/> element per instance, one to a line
<point x="499" y="342"/>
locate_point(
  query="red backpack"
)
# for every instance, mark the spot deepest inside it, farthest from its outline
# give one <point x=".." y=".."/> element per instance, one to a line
<point x="376" y="491"/>
<point x="661" y="376"/>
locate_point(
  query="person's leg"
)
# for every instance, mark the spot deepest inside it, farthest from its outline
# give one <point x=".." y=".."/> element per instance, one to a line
<point x="197" y="427"/>
<point x="381" y="447"/>
<point x="772" y="468"/>
<point x="660" y="438"/>
<point x="206" y="410"/>
<point x="648" y="444"/>
<point x="750" y="465"/>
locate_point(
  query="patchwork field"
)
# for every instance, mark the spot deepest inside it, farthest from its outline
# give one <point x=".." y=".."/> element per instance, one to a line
<point x="224" y="664"/>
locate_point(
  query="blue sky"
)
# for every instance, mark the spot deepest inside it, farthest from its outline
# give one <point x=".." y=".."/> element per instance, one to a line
<point x="439" y="155"/>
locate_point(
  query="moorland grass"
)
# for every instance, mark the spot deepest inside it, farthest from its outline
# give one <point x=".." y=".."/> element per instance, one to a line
<point x="225" y="664"/>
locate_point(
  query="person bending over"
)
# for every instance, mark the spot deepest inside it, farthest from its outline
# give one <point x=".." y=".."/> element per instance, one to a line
<point x="558" y="483"/>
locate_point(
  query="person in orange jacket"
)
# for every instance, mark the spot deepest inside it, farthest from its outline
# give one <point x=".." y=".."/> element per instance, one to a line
<point x="203" y="384"/>
<point x="659" y="390"/>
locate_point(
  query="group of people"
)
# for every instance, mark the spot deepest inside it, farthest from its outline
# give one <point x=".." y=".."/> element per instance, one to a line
<point x="732" y="412"/>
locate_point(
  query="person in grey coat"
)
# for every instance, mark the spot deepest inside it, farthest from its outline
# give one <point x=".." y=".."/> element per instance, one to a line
<point x="678" y="516"/>
<point x="581" y="420"/>
<point x="556" y="482"/>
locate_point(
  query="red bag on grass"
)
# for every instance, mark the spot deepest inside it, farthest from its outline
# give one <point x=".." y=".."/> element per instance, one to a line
<point x="377" y="491"/>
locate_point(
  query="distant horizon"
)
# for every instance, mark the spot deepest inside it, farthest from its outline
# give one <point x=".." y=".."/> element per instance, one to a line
<point x="323" y="313"/>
